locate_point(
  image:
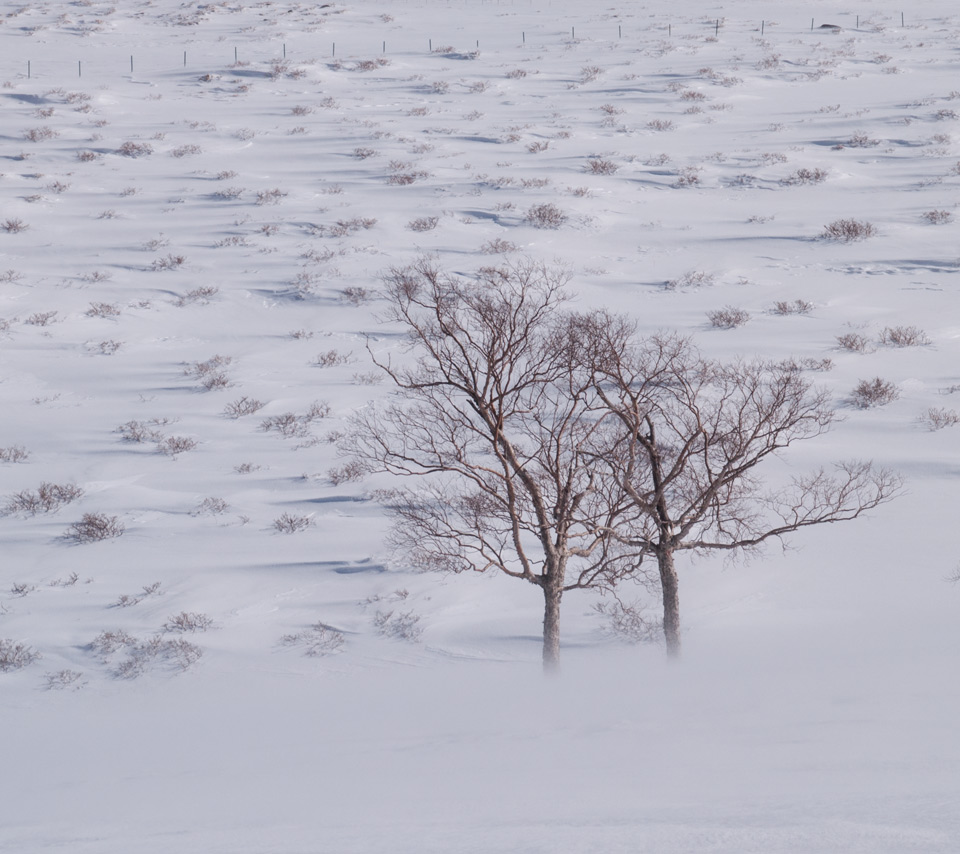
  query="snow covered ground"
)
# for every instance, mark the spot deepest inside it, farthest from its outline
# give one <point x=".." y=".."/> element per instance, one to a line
<point x="211" y="226"/>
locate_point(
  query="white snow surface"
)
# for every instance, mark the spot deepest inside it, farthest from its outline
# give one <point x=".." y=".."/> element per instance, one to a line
<point x="817" y="707"/>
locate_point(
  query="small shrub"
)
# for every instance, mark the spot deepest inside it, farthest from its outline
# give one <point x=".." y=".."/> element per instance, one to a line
<point x="331" y="359"/>
<point x="62" y="679"/>
<point x="13" y="454"/>
<point x="364" y="153"/>
<point x="937" y="217"/>
<point x="87" y="156"/>
<point x="347" y="473"/>
<point x="805" y="176"/>
<point x="498" y="246"/>
<point x="292" y="523"/>
<point x="102" y="309"/>
<point x="728" y="317"/>
<point x="187" y="622"/>
<point x="538" y="146"/>
<point x="689" y="176"/>
<point x="319" y="640"/>
<point x="861" y="140"/>
<point x="937" y="418"/>
<point x="402" y="626"/>
<point x="173" y="446"/>
<point x="211" y="506"/>
<point x="270" y="197"/>
<point x="854" y="342"/>
<point x="41" y="318"/>
<point x="356" y="295"/>
<point x="94" y="527"/>
<point x="135" y="149"/>
<point x="139" y="431"/>
<point x="423" y="223"/>
<point x="168" y="262"/>
<point x="14" y="226"/>
<point x="693" y="278"/>
<point x="848" y="230"/>
<point x="16" y="656"/>
<point x="229" y="193"/>
<point x="186" y="151"/>
<point x="516" y="74"/>
<point x="903" y="336"/>
<point x="545" y="216"/>
<point x="601" y="166"/>
<point x="202" y="295"/>
<point x="242" y="406"/>
<point x="800" y="306"/>
<point x="48" y="498"/>
<point x="40" y="134"/>
<point x="660" y="124"/>
<point x="875" y="392"/>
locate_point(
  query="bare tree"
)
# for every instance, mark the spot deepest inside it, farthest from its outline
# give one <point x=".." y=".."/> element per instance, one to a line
<point x="693" y="435"/>
<point x="494" y="420"/>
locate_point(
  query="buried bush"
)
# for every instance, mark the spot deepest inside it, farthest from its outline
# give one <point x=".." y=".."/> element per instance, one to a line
<point x="848" y="230"/>
<point x="94" y="527"/>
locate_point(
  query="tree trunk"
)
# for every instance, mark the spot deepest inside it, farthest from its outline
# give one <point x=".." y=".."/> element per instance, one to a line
<point x="551" y="627"/>
<point x="670" y="585"/>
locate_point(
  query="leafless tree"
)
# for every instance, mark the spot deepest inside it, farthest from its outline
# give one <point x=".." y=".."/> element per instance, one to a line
<point x="494" y="420"/>
<point x="693" y="435"/>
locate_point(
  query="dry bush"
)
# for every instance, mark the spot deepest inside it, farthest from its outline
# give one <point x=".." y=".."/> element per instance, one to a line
<point x="187" y="621"/>
<point x="344" y="227"/>
<point x="660" y="124"/>
<point x="289" y="425"/>
<point x="301" y="110"/>
<point x="629" y="622"/>
<point x="48" y="498"/>
<point x="545" y="216"/>
<point x="135" y="149"/>
<point x="516" y="74"/>
<point x="403" y="625"/>
<point x="937" y="418"/>
<point x="15" y="655"/>
<point x="143" y="655"/>
<point x="292" y="523"/>
<point x="62" y="679"/>
<point x="87" y="156"/>
<point x="538" y="146"/>
<point x="589" y="73"/>
<point x="356" y="295"/>
<point x="94" y="527"/>
<point x="423" y="223"/>
<point x="319" y="640"/>
<point x="364" y="153"/>
<point x="403" y="179"/>
<point x="202" y="295"/>
<point x="861" y="140"/>
<point x="141" y="431"/>
<point x="14" y="226"/>
<point x="270" y="197"/>
<point x="102" y="309"/>
<point x="875" y="392"/>
<point x="41" y="318"/>
<point x="347" y="473"/>
<point x="799" y="306"/>
<point x="534" y="183"/>
<point x="903" y="336"/>
<point x="805" y="176"/>
<point x="331" y="359"/>
<point x="242" y="406"/>
<point x="937" y="217"/>
<point x="13" y="454"/>
<point x="229" y="193"/>
<point x="40" y="134"/>
<point x="728" y="317"/>
<point x="854" y="342"/>
<point x="173" y="446"/>
<point x="688" y="176"/>
<point x="693" y="278"/>
<point x="848" y="230"/>
<point x="210" y="372"/>
<point x="186" y="151"/>
<point x="168" y="262"/>
<point x="498" y="246"/>
<point x="211" y="506"/>
<point x="601" y="166"/>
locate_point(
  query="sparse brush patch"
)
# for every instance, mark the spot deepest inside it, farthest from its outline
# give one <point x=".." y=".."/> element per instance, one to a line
<point x="601" y="166"/>
<point x="854" y="342"/>
<point x="344" y="227"/>
<point x="48" y="498"/>
<point x="14" y="454"/>
<point x="94" y="527"/>
<point x="290" y="425"/>
<point x="660" y="125"/>
<point x="331" y="359"/>
<point x="301" y="110"/>
<point x="15" y="655"/>
<point x="242" y="406"/>
<point x="691" y="279"/>
<point x="211" y="506"/>
<point x="516" y="74"/>
<point x="539" y="145"/>
<point x="202" y="295"/>
<point x="319" y="640"/>
<point x="40" y="134"/>
<point x="545" y="216"/>
<point x="292" y="523"/>
<point x="805" y="176"/>
<point x="347" y="473"/>
<point x="876" y="392"/>
<point x="270" y="197"/>
<point x="356" y="295"/>
<point x="903" y="336"/>
<point x="62" y="679"/>
<point x="173" y="446"/>
<point x="688" y="176"/>
<point x="142" y="431"/>
<point x="88" y="156"/>
<point x="14" y="226"/>
<point x="402" y="625"/>
<point x="798" y="306"/>
<point x="135" y="149"/>
<point x="187" y="621"/>
<point x="210" y="372"/>
<point x="938" y="418"/>
<point x="629" y="622"/>
<point x="364" y="153"/>
<point x="186" y="150"/>
<point x="848" y="230"/>
<point x="423" y="223"/>
<point x="102" y="309"/>
<point x="143" y="655"/>
<point x="229" y="194"/>
<point x="41" y="318"/>
<point x="728" y="317"/>
<point x="168" y="262"/>
<point x="937" y="217"/>
<point x="498" y="246"/>
<point x="861" y="140"/>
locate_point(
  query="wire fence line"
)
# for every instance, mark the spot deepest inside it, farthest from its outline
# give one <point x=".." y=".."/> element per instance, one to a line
<point x="243" y="59"/>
